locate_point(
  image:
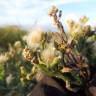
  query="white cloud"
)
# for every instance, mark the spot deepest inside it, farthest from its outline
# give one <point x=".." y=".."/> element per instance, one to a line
<point x="72" y="16"/>
<point x="60" y="2"/>
<point x="28" y="11"/>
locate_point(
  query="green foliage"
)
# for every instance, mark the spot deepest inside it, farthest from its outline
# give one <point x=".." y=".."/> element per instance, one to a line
<point x="10" y="35"/>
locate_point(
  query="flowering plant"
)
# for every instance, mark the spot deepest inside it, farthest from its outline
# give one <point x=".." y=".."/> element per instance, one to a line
<point x="63" y="55"/>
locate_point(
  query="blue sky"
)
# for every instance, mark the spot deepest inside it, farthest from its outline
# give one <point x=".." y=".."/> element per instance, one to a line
<point x="31" y="12"/>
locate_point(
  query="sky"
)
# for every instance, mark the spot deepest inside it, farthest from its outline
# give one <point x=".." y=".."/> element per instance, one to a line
<point x="35" y="12"/>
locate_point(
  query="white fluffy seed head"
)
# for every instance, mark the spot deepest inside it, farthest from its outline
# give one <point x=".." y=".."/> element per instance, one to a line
<point x="3" y="58"/>
<point x="34" y="38"/>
